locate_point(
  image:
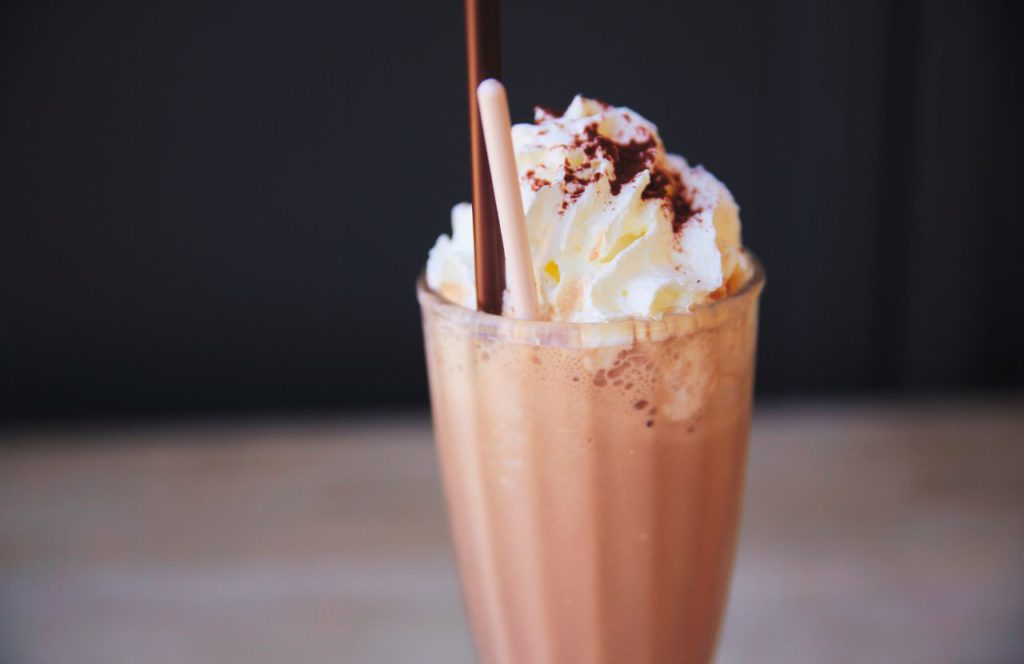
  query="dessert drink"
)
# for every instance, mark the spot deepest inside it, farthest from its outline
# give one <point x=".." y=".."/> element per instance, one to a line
<point x="593" y="490"/>
<point x="593" y="460"/>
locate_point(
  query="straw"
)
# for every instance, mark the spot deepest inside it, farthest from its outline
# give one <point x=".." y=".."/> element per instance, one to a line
<point x="483" y="59"/>
<point x="497" y="126"/>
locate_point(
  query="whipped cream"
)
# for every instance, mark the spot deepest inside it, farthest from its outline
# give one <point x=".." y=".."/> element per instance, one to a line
<point x="618" y="228"/>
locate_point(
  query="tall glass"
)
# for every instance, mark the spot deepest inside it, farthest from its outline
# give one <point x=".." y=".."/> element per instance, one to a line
<point x="593" y="474"/>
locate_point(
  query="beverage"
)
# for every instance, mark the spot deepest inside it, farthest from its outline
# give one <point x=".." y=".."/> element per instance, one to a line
<point x="593" y="491"/>
<point x="593" y="461"/>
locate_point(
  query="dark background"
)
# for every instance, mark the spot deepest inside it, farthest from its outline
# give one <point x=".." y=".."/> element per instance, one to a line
<point x="224" y="205"/>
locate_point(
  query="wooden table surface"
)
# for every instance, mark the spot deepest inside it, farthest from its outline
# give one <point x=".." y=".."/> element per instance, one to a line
<point x="871" y="533"/>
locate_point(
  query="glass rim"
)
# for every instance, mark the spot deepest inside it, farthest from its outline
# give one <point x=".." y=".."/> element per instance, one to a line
<point x="544" y="332"/>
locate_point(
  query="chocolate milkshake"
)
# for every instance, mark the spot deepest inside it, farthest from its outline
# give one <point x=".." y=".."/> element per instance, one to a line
<point x="593" y="461"/>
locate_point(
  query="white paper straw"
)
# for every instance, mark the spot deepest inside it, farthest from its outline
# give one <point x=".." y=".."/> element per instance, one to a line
<point x="497" y="125"/>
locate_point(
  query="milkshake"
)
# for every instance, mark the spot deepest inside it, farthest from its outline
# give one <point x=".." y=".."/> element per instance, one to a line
<point x="593" y="460"/>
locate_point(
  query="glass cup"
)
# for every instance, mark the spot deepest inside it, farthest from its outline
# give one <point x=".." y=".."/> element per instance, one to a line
<point x="593" y="474"/>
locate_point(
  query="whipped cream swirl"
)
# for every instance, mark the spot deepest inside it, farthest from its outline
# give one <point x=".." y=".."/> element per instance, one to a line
<point x="617" y="227"/>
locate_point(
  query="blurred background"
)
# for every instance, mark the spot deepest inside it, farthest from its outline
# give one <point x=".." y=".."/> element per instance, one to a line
<point x="223" y="206"/>
<point x="214" y="443"/>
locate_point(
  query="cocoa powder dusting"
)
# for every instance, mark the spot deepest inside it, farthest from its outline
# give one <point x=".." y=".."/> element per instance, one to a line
<point x="536" y="183"/>
<point x="573" y="185"/>
<point x="628" y="160"/>
<point x="667" y="185"/>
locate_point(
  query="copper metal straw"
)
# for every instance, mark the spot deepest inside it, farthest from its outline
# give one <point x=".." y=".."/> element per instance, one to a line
<point x="483" y="58"/>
